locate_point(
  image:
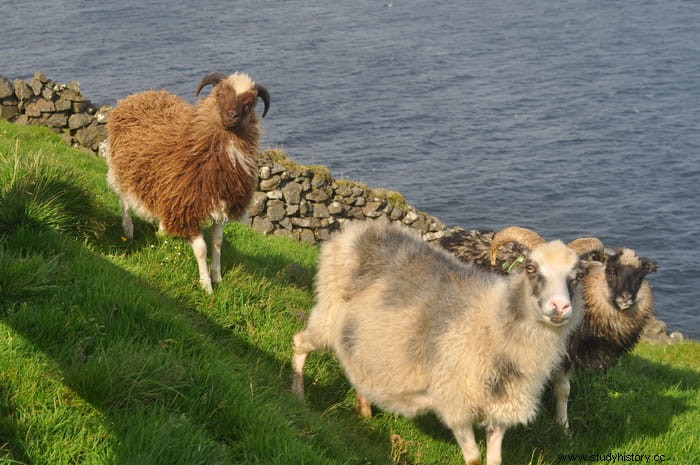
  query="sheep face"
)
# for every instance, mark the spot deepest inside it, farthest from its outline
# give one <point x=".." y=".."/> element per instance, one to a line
<point x="553" y="270"/>
<point x="625" y="273"/>
<point x="235" y="96"/>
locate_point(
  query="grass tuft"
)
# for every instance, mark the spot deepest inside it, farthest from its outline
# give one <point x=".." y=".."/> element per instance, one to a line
<point x="23" y="275"/>
<point x="37" y="195"/>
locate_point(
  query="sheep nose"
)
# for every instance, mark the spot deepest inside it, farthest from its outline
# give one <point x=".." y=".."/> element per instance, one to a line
<point x="624" y="301"/>
<point x="560" y="306"/>
<point x="232" y="114"/>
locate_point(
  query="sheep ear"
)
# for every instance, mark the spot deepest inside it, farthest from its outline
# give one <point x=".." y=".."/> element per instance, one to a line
<point x="264" y="96"/>
<point x="210" y="79"/>
<point x="648" y="265"/>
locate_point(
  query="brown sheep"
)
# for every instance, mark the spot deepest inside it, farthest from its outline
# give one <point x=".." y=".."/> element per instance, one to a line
<point x="184" y="165"/>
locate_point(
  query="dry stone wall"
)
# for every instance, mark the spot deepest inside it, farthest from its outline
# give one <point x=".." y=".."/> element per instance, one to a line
<point x="303" y="202"/>
<point x="307" y="203"/>
<point x="62" y="107"/>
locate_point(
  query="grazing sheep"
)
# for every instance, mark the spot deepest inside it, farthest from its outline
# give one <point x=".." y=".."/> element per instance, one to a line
<point x="416" y="330"/>
<point x="184" y="165"/>
<point x="618" y="304"/>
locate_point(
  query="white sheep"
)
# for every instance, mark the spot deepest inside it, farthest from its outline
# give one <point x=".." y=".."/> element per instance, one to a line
<point x="416" y="330"/>
<point x="618" y="301"/>
<point x="185" y="165"/>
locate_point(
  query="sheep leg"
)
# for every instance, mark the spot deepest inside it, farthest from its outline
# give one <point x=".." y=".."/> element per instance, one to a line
<point x="127" y="223"/>
<point x="364" y="407"/>
<point x="217" y="238"/>
<point x="464" y="433"/>
<point x="302" y="347"/>
<point x="199" y="247"/>
<point x="562" y="388"/>
<point x="494" y="441"/>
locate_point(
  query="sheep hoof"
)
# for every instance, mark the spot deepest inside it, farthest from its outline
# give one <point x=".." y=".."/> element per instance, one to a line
<point x="566" y="430"/>
<point x="206" y="285"/>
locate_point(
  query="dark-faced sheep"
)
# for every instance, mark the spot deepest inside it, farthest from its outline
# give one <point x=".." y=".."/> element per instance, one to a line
<point x="416" y="330"/>
<point x="618" y="302"/>
<point x="185" y="165"/>
<point x="618" y="305"/>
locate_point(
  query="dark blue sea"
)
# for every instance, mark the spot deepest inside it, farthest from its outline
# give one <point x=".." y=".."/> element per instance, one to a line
<point x="569" y="117"/>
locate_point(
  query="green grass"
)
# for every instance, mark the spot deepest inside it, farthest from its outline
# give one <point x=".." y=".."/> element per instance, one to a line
<point x="111" y="354"/>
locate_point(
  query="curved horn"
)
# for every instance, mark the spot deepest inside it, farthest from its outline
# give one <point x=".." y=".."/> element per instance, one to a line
<point x="264" y="96"/>
<point x="586" y="245"/>
<point x="517" y="234"/>
<point x="210" y="79"/>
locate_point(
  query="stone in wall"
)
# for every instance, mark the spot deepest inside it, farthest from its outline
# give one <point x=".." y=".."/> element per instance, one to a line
<point x="8" y="101"/>
<point x="23" y="92"/>
<point x="6" y="88"/>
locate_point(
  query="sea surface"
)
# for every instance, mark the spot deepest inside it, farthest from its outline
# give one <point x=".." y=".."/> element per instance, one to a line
<point x="573" y="118"/>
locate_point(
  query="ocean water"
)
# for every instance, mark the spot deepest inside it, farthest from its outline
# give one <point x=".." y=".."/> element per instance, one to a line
<point x="572" y="118"/>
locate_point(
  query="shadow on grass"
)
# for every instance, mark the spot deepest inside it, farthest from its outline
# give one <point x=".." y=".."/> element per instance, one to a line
<point x="637" y="397"/>
<point x="173" y="385"/>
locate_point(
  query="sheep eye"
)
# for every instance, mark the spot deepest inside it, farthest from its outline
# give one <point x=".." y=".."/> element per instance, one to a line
<point x="219" y="95"/>
<point x="531" y="269"/>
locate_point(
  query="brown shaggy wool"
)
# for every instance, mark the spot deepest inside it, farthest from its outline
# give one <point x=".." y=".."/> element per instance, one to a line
<point x="183" y="173"/>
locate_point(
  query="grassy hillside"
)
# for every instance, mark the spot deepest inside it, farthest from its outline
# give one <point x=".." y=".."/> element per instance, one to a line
<point x="111" y="354"/>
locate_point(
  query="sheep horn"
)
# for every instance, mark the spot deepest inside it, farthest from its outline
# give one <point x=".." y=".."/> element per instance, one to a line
<point x="264" y="96"/>
<point x="210" y="79"/>
<point x="587" y="245"/>
<point x="517" y="234"/>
